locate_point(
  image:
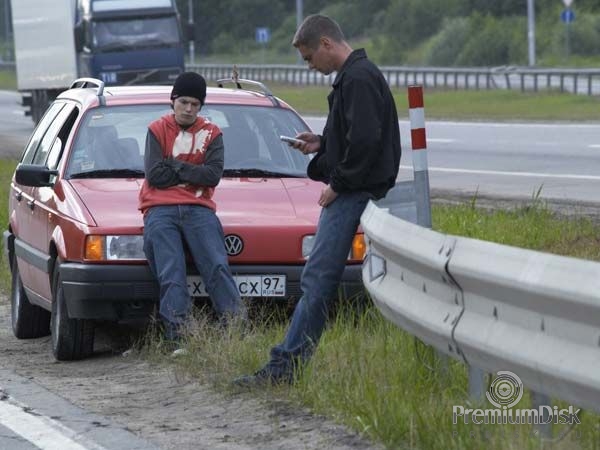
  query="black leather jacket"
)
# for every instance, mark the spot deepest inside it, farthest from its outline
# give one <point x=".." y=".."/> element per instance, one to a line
<point x="360" y="146"/>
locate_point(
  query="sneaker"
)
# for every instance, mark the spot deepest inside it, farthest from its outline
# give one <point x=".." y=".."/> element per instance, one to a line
<point x="175" y="347"/>
<point x="263" y="377"/>
<point x="180" y="352"/>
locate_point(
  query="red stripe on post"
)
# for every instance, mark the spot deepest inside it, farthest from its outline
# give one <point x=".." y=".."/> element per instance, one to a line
<point x="419" y="141"/>
<point x="415" y="97"/>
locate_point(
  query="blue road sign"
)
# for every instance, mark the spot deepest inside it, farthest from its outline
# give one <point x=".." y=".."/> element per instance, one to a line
<point x="567" y="16"/>
<point x="263" y="35"/>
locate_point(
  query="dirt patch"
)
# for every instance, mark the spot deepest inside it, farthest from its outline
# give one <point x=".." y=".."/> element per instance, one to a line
<point x="165" y="409"/>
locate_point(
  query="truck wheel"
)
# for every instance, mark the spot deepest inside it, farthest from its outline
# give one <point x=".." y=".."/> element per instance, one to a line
<point x="71" y="338"/>
<point x="28" y="321"/>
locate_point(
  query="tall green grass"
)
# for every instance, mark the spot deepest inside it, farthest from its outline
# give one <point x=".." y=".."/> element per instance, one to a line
<point x="532" y="226"/>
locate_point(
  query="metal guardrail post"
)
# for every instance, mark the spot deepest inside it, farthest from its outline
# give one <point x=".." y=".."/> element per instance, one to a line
<point x="537" y="400"/>
<point x="477" y="385"/>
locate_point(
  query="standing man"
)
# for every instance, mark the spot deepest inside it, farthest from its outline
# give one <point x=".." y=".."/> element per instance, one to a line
<point x="357" y="158"/>
<point x="183" y="164"/>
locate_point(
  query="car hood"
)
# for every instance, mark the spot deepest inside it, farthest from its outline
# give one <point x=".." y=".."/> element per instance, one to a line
<point x="240" y="201"/>
<point x="111" y="202"/>
<point x="267" y="200"/>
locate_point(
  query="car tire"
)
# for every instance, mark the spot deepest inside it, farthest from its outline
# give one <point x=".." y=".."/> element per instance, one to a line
<point x="71" y="338"/>
<point x="28" y="321"/>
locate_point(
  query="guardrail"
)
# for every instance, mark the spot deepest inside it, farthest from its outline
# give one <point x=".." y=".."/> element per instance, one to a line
<point x="580" y="81"/>
<point x="491" y="306"/>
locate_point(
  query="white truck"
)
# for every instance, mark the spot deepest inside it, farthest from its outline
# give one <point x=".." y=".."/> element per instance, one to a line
<point x="117" y="41"/>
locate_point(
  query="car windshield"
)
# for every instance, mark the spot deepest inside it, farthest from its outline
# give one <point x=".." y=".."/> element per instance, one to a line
<point x="115" y="35"/>
<point x="110" y="141"/>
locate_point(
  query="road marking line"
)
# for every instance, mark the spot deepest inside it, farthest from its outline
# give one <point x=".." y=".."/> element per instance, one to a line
<point x="594" y="146"/>
<point x="441" y="140"/>
<point x="512" y="174"/>
<point x="42" y="431"/>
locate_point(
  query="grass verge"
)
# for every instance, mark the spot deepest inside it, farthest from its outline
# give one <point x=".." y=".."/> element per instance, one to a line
<point x="464" y="105"/>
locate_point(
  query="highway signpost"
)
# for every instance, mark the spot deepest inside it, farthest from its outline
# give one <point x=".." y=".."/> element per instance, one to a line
<point x="567" y="16"/>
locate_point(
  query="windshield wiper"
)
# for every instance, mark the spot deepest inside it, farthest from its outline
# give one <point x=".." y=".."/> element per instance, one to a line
<point x="110" y="173"/>
<point x="260" y="173"/>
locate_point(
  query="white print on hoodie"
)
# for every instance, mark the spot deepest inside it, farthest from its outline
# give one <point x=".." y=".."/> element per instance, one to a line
<point x="183" y="145"/>
<point x="184" y="142"/>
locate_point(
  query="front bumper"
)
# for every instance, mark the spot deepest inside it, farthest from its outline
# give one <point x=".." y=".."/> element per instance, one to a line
<point x="124" y="292"/>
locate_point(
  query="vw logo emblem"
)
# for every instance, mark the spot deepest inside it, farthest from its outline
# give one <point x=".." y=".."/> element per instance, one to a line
<point x="233" y="244"/>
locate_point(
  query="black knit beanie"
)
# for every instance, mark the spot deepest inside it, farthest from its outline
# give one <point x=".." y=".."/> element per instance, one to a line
<point x="189" y="84"/>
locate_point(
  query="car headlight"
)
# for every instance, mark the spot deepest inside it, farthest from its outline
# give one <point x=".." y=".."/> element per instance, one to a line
<point x="114" y="248"/>
<point x="357" y="252"/>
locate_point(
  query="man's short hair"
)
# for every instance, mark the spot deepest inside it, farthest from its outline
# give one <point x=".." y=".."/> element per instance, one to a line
<point x="313" y="28"/>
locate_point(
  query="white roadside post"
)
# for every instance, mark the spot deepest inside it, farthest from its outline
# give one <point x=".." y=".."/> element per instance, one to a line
<point x="419" y="155"/>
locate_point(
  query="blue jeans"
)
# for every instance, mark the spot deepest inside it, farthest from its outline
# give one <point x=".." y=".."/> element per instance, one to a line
<point x="166" y="231"/>
<point x="320" y="280"/>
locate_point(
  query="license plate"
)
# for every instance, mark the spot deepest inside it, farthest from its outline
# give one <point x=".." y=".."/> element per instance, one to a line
<point x="248" y="285"/>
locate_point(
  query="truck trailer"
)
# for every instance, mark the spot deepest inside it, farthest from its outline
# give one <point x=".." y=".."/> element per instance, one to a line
<point x="121" y="42"/>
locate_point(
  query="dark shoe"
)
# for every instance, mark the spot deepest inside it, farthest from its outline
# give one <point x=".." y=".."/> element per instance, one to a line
<point x="262" y="378"/>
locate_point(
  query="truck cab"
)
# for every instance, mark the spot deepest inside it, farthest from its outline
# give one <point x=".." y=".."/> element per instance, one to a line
<point x="129" y="42"/>
<point x="120" y="42"/>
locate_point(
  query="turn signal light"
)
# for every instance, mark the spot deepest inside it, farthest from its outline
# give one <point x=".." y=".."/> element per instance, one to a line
<point x="359" y="248"/>
<point x="94" y="248"/>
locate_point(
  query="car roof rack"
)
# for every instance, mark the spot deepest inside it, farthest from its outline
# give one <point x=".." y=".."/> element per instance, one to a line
<point x="84" y="82"/>
<point x="257" y="84"/>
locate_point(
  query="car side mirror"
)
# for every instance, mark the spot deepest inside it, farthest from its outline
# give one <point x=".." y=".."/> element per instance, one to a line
<point x="34" y="175"/>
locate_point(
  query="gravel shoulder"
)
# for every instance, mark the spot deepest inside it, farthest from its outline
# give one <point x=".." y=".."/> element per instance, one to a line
<point x="164" y="408"/>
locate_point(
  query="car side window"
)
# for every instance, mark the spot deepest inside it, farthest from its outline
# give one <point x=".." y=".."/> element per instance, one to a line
<point x="40" y="131"/>
<point x="47" y="143"/>
<point x="58" y="146"/>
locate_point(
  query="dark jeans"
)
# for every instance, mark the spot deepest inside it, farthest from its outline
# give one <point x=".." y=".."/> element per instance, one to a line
<point x="320" y="279"/>
<point x="165" y="230"/>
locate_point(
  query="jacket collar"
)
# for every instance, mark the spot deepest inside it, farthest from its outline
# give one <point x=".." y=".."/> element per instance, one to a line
<point x="357" y="54"/>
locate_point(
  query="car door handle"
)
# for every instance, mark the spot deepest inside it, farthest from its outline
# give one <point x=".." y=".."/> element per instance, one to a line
<point x="19" y="196"/>
<point x="31" y="204"/>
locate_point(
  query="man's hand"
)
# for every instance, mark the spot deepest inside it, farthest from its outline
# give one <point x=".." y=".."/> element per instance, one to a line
<point x="311" y="143"/>
<point x="328" y="195"/>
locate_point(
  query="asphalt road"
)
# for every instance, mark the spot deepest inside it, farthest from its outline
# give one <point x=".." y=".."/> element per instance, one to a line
<point x="508" y="160"/>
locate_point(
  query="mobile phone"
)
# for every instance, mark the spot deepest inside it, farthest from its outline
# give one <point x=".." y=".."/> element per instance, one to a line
<point x="291" y="140"/>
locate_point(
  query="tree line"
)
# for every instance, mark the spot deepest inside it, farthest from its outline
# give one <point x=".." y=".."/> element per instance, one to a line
<point x="397" y="32"/>
<point x="408" y="32"/>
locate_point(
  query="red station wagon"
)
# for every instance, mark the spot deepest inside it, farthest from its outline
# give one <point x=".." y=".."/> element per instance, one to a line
<point x="74" y="238"/>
